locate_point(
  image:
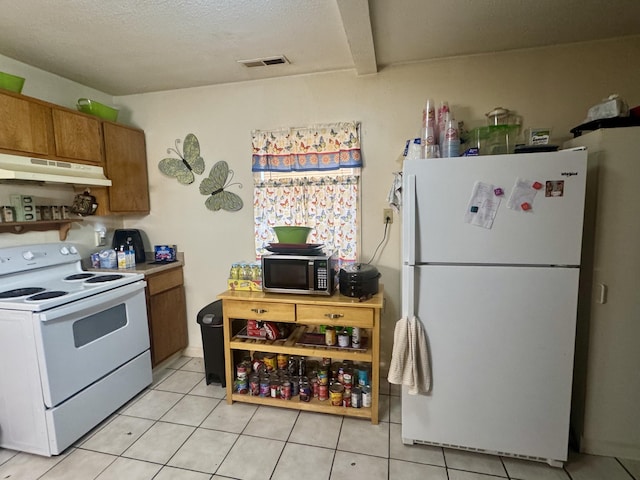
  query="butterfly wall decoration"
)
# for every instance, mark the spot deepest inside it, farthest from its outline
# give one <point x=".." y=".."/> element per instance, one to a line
<point x="214" y="185"/>
<point x="190" y="161"/>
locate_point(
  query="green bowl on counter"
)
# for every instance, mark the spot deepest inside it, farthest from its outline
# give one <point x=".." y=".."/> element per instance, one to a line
<point x="98" y="109"/>
<point x="292" y="234"/>
<point x="10" y="82"/>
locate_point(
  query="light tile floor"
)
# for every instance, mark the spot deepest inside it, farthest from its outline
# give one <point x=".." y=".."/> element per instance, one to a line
<point x="182" y="429"/>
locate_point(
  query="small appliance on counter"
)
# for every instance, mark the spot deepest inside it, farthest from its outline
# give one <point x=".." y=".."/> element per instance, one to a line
<point x="311" y="273"/>
<point x="359" y="280"/>
<point x="130" y="237"/>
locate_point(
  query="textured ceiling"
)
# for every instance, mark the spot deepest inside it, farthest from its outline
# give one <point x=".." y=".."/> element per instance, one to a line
<point x="126" y="47"/>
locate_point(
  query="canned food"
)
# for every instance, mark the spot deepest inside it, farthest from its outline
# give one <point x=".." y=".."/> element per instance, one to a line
<point x="285" y="390"/>
<point x="323" y="392"/>
<point x="254" y="385"/>
<point x="363" y="377"/>
<point x="270" y="362"/>
<point x="329" y="336"/>
<point x="355" y="337"/>
<point x="343" y="338"/>
<point x="282" y="361"/>
<point x="356" y="397"/>
<point x="305" y="391"/>
<point x="346" y="400"/>
<point x="241" y="370"/>
<point x="295" y="385"/>
<point x="323" y="376"/>
<point x="366" y="396"/>
<point x="347" y="378"/>
<point x="65" y="212"/>
<point x="265" y="387"/>
<point x="336" y="391"/>
<point x="274" y="388"/>
<point x="241" y="385"/>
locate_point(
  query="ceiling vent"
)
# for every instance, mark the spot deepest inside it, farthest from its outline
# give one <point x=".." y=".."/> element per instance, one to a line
<point x="265" y="62"/>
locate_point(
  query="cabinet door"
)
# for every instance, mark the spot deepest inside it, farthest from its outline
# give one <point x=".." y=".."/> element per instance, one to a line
<point x="126" y="167"/>
<point x="77" y="136"/>
<point x="167" y="323"/>
<point x="23" y="125"/>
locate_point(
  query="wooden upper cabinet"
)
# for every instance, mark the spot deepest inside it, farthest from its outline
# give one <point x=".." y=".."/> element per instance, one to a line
<point x="77" y="136"/>
<point x="23" y="125"/>
<point x="126" y="167"/>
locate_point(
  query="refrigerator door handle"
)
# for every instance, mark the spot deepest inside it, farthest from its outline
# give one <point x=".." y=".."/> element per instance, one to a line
<point x="408" y="291"/>
<point x="409" y="221"/>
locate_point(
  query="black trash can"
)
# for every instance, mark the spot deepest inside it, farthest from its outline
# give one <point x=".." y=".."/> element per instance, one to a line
<point x="210" y="320"/>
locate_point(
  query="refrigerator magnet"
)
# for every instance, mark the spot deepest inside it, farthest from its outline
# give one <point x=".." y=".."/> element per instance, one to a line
<point x="554" y="188"/>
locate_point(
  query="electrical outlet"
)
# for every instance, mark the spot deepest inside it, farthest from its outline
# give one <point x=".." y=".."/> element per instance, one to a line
<point x="387" y="215"/>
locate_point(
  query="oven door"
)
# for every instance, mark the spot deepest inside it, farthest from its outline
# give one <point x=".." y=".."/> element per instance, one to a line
<point x="83" y="341"/>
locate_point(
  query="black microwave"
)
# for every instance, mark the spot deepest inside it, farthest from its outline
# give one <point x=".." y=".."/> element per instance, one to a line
<point x="306" y="274"/>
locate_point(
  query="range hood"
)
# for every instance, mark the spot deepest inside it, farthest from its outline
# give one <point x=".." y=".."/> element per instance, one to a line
<point x="15" y="167"/>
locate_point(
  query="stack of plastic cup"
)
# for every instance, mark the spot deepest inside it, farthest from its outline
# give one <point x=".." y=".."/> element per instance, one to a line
<point x="451" y="140"/>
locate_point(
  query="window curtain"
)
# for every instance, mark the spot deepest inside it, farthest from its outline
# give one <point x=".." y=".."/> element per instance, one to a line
<point x="327" y="205"/>
<point x="308" y="176"/>
<point x="315" y="148"/>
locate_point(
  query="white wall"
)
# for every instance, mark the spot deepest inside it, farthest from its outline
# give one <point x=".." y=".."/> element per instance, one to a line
<point x="550" y="87"/>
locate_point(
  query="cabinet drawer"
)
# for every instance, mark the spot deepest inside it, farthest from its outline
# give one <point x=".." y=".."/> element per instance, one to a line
<point x="164" y="281"/>
<point x="260" y="311"/>
<point x="335" y="315"/>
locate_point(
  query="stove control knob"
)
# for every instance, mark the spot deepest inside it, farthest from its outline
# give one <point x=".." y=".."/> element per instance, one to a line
<point x="28" y="255"/>
<point x="73" y="250"/>
<point x="64" y="251"/>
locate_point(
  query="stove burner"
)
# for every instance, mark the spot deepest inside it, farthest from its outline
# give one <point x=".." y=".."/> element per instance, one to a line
<point x="79" y="276"/>
<point x="46" y="295"/>
<point x="104" y="278"/>
<point x="21" y="292"/>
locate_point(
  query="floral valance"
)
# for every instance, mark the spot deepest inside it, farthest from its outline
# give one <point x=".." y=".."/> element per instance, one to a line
<point x="319" y="147"/>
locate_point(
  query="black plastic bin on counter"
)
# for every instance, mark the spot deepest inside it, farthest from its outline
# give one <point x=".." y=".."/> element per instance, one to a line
<point x="210" y="320"/>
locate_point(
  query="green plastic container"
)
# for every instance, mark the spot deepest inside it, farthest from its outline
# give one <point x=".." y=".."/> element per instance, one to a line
<point x="11" y="82"/>
<point x="98" y="109"/>
<point x="287" y="234"/>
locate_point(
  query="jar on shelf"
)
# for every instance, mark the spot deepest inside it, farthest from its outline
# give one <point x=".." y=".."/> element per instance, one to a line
<point x="329" y="336"/>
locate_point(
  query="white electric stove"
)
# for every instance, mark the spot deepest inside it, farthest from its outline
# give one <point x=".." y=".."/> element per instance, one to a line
<point x="74" y="346"/>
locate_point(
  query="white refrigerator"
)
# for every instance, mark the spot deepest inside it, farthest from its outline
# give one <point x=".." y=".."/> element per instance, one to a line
<point x="491" y="260"/>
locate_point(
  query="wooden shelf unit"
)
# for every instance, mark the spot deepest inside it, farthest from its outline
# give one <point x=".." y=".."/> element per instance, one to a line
<point x="63" y="226"/>
<point x="307" y="312"/>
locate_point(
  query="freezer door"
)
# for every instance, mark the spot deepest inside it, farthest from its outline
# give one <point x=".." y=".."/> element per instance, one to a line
<point x="550" y="233"/>
<point x="501" y="343"/>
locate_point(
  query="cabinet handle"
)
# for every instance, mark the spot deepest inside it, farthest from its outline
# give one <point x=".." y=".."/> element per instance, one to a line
<point x="333" y="316"/>
<point x="259" y="310"/>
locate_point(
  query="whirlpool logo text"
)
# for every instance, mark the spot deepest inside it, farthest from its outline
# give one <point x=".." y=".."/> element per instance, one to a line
<point x="569" y="174"/>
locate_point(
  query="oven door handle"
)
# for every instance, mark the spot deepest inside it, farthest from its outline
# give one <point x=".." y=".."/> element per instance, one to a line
<point x="98" y="302"/>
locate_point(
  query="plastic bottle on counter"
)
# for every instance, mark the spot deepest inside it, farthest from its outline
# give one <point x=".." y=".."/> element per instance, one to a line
<point x="122" y="257"/>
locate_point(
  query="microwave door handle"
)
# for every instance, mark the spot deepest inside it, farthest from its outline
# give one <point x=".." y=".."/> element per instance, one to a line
<point x="311" y="275"/>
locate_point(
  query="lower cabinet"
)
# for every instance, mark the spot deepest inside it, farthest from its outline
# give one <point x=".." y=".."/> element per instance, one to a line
<point x="167" y="313"/>
<point x="295" y="334"/>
